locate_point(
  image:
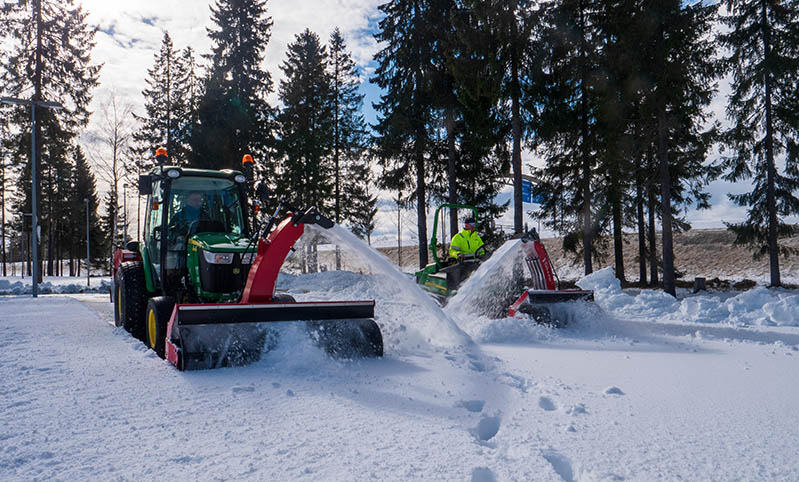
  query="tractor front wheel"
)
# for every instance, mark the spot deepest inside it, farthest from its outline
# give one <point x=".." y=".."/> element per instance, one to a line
<point x="159" y="310"/>
<point x="131" y="297"/>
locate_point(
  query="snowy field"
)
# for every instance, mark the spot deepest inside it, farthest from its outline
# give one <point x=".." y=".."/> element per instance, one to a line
<point x="641" y="387"/>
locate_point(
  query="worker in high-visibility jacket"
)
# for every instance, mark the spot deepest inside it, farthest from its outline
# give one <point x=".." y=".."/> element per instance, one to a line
<point x="467" y="241"/>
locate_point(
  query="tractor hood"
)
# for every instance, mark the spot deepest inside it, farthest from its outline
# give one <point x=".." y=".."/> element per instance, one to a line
<point x="221" y="242"/>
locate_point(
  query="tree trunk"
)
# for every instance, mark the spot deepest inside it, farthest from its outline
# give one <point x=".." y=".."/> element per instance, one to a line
<point x="451" y="164"/>
<point x="653" y="252"/>
<point x="771" y="174"/>
<point x="665" y="200"/>
<point x="516" y="125"/>
<point x="586" y="162"/>
<point x="618" y="239"/>
<point x="639" y="204"/>
<point x="421" y="205"/>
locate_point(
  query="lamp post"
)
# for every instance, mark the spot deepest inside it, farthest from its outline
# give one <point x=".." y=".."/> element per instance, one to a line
<point x="88" y="253"/>
<point x="34" y="179"/>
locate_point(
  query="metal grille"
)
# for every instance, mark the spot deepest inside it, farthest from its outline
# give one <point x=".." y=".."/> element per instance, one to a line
<point x="536" y="272"/>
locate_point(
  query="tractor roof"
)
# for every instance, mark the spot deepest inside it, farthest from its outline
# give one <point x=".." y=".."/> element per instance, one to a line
<point x="186" y="171"/>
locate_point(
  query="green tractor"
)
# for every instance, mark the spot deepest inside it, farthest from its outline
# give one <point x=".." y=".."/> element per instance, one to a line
<point x="443" y="276"/>
<point x="200" y="288"/>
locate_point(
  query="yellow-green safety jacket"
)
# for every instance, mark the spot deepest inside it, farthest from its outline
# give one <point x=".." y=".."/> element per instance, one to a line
<point x="465" y="242"/>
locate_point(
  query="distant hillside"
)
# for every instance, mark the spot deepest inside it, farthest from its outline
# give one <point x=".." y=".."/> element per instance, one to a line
<point x="709" y="253"/>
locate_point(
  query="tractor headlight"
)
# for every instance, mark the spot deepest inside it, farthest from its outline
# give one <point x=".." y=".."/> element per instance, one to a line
<point x="247" y="258"/>
<point x="218" y="258"/>
<point x="240" y="179"/>
<point x="173" y="173"/>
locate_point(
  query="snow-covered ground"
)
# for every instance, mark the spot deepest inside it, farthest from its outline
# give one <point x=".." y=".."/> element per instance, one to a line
<point x="642" y="387"/>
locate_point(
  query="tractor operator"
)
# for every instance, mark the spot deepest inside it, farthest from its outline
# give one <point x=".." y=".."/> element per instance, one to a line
<point x="467" y="241"/>
<point x="189" y="214"/>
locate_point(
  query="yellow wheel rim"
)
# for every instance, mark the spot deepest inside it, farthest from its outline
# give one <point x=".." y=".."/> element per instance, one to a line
<point x="151" y="328"/>
<point x="119" y="305"/>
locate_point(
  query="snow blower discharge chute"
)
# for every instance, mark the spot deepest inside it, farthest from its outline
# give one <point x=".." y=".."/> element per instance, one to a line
<point x="200" y="288"/>
<point x="544" y="301"/>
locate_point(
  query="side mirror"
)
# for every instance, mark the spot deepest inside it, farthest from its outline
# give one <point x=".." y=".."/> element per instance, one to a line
<point x="157" y="233"/>
<point x="145" y="185"/>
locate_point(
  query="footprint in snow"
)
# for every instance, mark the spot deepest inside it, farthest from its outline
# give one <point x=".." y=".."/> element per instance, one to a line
<point x="483" y="474"/>
<point x="547" y="404"/>
<point x="474" y="406"/>
<point x="487" y="428"/>
<point x="243" y="389"/>
<point x="613" y="391"/>
<point x="561" y="464"/>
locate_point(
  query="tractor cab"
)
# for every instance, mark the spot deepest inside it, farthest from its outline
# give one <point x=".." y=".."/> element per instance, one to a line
<point x="196" y="236"/>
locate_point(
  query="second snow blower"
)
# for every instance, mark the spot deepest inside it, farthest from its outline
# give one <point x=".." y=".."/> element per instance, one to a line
<point x="544" y="301"/>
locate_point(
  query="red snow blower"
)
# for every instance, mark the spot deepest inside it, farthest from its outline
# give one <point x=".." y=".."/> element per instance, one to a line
<point x="544" y="302"/>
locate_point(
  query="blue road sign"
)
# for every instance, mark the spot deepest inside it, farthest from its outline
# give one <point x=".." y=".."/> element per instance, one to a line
<point x="527" y="191"/>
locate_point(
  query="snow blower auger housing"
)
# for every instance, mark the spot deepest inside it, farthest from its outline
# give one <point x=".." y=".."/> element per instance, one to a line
<point x="200" y="288"/>
<point x="544" y="302"/>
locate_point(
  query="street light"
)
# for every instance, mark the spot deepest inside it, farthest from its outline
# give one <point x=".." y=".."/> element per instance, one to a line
<point x="34" y="178"/>
<point x="88" y="253"/>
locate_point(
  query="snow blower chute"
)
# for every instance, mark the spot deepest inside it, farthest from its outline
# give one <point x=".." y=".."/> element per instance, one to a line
<point x="544" y="302"/>
<point x="200" y="289"/>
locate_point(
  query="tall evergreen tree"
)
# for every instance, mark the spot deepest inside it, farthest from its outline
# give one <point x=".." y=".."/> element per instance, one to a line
<point x="764" y="108"/>
<point x="567" y="100"/>
<point x="84" y="188"/>
<point x="233" y="113"/>
<point x="50" y="49"/>
<point x="349" y="128"/>
<point x="512" y="28"/>
<point x="403" y="142"/>
<point x="306" y="133"/>
<point x="683" y="73"/>
<point x="168" y="107"/>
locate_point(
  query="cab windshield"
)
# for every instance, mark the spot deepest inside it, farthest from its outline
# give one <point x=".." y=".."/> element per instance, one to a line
<point x="201" y="204"/>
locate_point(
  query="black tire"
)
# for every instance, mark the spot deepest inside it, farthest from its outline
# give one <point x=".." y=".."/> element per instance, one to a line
<point x="159" y="310"/>
<point x="132" y="297"/>
<point x="115" y="300"/>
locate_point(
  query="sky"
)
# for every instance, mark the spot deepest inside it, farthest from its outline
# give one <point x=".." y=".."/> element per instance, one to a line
<point x="130" y="33"/>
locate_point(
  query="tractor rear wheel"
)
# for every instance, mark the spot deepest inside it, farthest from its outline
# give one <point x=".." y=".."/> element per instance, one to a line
<point x="159" y="310"/>
<point x="132" y="297"/>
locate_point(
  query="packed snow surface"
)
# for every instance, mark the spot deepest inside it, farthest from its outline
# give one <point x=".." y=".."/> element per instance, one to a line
<point x="641" y="387"/>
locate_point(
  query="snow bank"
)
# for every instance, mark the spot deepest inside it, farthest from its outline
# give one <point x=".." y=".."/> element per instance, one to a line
<point x="758" y="306"/>
<point x="54" y="285"/>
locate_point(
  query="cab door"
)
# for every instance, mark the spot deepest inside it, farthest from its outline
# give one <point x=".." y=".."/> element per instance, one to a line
<point x="153" y="230"/>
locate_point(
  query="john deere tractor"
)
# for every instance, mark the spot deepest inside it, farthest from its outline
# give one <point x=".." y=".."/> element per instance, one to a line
<point x="200" y="286"/>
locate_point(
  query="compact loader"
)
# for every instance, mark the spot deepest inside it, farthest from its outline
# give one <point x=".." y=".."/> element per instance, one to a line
<point x="200" y="288"/>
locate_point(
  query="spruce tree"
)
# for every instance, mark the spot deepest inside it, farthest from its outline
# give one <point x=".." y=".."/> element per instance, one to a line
<point x="233" y="113"/>
<point x="764" y="110"/>
<point x="84" y="188"/>
<point x="306" y="135"/>
<point x="49" y="56"/>
<point x="349" y="128"/>
<point x="403" y="142"/>
<point x="508" y="46"/>
<point x="567" y="101"/>
<point x="171" y="82"/>
<point x="682" y="71"/>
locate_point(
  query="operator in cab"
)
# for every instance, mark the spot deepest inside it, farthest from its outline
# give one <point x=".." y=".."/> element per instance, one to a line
<point x="189" y="214"/>
<point x="467" y="241"/>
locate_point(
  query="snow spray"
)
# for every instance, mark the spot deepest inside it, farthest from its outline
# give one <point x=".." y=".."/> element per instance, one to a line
<point x="408" y="305"/>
